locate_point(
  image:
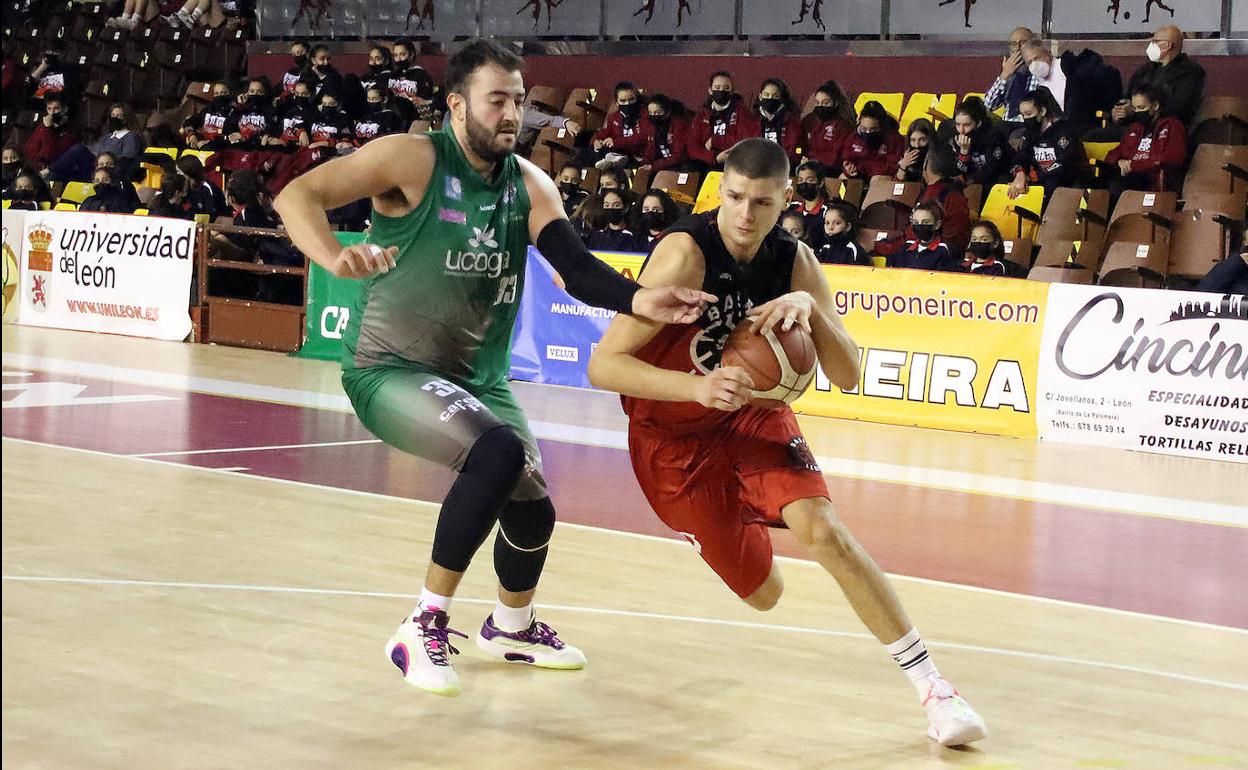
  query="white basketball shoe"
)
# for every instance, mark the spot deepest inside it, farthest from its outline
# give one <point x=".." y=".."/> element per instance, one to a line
<point x="421" y="649"/>
<point x="952" y="721"/>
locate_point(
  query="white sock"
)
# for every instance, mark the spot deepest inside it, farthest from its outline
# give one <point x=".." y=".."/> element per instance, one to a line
<point x="196" y="14"/>
<point x="513" y="619"/>
<point x="914" y="660"/>
<point x="431" y="601"/>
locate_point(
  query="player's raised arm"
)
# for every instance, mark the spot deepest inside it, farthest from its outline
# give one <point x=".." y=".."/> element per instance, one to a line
<point x="588" y="278"/>
<point x="394" y="163"/>
<point x="614" y="365"/>
<point x="838" y="353"/>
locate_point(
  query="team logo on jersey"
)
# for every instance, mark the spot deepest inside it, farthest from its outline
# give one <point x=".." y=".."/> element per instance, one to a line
<point x="454" y="188"/>
<point x="799" y="450"/>
<point x="483" y="238"/>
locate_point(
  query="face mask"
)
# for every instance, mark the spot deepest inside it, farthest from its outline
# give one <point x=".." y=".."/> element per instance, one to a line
<point x="923" y="232"/>
<point x="659" y="121"/>
<point x="301" y="61"/>
<point x="808" y="190"/>
<point x="23" y="195"/>
<point x="59" y="118"/>
<point x="569" y="188"/>
<point x="9" y="166"/>
<point x="1143" y="117"/>
<point x="372" y="108"/>
<point x="114" y="124"/>
<point x="1154" y="52"/>
<point x="721" y="98"/>
<point x="327" y="110"/>
<point x="980" y="250"/>
<point x="303" y="100"/>
<point x="376" y="69"/>
<point x="1033" y="125"/>
<point x="654" y="220"/>
<point x="220" y="101"/>
<point x="400" y="66"/>
<point x="839" y="239"/>
<point x="825" y="113"/>
<point x="1039" y="68"/>
<point x="630" y="110"/>
<point x="873" y="140"/>
<point x="771" y="105"/>
<point x="613" y="216"/>
<point x="922" y="151"/>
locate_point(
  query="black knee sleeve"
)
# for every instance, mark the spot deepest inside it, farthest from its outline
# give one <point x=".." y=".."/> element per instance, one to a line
<point x="494" y="464"/>
<point x="524" y="529"/>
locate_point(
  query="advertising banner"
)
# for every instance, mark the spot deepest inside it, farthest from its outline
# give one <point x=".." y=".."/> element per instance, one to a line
<point x="1158" y="371"/>
<point x="14" y="230"/>
<point x="110" y="273"/>
<point x="330" y="300"/>
<point x="938" y="350"/>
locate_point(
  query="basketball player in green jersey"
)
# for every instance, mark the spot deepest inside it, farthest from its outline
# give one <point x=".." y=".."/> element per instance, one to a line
<point x="427" y="348"/>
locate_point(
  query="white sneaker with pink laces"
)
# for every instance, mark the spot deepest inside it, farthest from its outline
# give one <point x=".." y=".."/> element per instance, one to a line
<point x="952" y="721"/>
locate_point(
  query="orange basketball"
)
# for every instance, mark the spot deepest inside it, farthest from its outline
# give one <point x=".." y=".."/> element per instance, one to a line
<point x="782" y="364"/>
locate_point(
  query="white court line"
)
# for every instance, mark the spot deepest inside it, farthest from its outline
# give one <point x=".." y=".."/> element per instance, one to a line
<point x="254" y="448"/>
<point x="933" y="478"/>
<point x="637" y="615"/>
<point x="652" y="538"/>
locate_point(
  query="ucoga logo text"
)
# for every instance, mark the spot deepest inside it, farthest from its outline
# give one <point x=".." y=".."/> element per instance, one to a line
<point x="477" y="263"/>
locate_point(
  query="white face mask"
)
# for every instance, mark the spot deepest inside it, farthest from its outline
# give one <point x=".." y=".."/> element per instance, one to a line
<point x="1154" y="52"/>
<point x="1039" y="68"/>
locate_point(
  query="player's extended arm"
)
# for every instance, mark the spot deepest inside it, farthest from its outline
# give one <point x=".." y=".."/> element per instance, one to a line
<point x="838" y="354"/>
<point x="378" y="167"/>
<point x="588" y="278"/>
<point x="615" y="366"/>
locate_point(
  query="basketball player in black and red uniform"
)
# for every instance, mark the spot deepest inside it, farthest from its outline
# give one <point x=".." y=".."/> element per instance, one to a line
<point x="716" y="469"/>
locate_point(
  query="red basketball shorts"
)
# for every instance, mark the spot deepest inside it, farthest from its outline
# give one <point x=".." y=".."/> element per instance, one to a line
<point x="718" y="488"/>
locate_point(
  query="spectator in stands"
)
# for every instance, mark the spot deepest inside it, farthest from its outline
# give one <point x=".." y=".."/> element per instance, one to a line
<point x="380" y="68"/>
<point x="667" y="141"/>
<point x="658" y="212"/>
<point x="238" y="13"/>
<point x="985" y="254"/>
<point x="206" y="129"/>
<point x="776" y="115"/>
<point x="811" y="200"/>
<point x="379" y="118"/>
<point x="51" y="78"/>
<point x="28" y="192"/>
<point x="1154" y="152"/>
<point x="922" y="247"/>
<point x="51" y="137"/>
<point x="840" y="236"/>
<point x="826" y="127"/>
<point x="982" y="153"/>
<point x="532" y="122"/>
<point x="205" y="197"/>
<point x="944" y="186"/>
<point x="1015" y="80"/>
<point x="1182" y="81"/>
<point x="874" y="149"/>
<point x="112" y="164"/>
<point x="609" y="216"/>
<point x="252" y="208"/>
<point x="172" y="201"/>
<point x="716" y="127"/>
<point x="252" y="124"/>
<point x="622" y="139"/>
<point x="109" y="195"/>
<point x="134" y="13"/>
<point x="614" y="179"/>
<point x="411" y="84"/>
<point x="1052" y="154"/>
<point x="569" y="182"/>
<point x="1081" y="84"/>
<point x="919" y="136"/>
<point x="296" y="120"/>
<point x="13" y="163"/>
<point x="120" y="141"/>
<point x="331" y="128"/>
<point x="1230" y="276"/>
<point x="794" y="224"/>
<point x="299" y="53"/>
<point x="324" y="76"/>
<point x="189" y="15"/>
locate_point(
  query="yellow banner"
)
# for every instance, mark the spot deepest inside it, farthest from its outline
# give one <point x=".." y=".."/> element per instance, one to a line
<point x="629" y="265"/>
<point x="938" y="350"/>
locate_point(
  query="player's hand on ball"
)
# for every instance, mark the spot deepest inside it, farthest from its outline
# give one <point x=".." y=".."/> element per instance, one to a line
<point x="363" y="260"/>
<point x="727" y="388"/>
<point x="792" y="308"/>
<point x="671" y="304"/>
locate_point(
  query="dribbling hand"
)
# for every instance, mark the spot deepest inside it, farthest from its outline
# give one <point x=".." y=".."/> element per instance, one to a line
<point x="792" y="308"/>
<point x="670" y="304"/>
<point x="727" y="389"/>
<point x="363" y="260"/>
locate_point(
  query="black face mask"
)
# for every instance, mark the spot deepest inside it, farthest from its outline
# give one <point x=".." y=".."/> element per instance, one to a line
<point x="303" y="101"/>
<point x="114" y="124"/>
<point x="659" y="121"/>
<point x="400" y="66"/>
<point x="10" y="167"/>
<point x="104" y="187"/>
<point x="377" y="69"/>
<point x="23" y="195"/>
<point x="979" y="250"/>
<point x="372" y="108"/>
<point x="60" y="118"/>
<point x="1032" y="125"/>
<point x="301" y="61"/>
<point x="613" y="216"/>
<point x="220" y="102"/>
<point x="327" y="110"/>
<point x="630" y="111"/>
<point x="825" y="112"/>
<point x="808" y="190"/>
<point x="922" y="151"/>
<point x="1143" y="117"/>
<point x="654" y="220"/>
<point x="721" y="98"/>
<point x="771" y="105"/>
<point x="873" y="140"/>
<point x="923" y="232"/>
<point x="569" y="188"/>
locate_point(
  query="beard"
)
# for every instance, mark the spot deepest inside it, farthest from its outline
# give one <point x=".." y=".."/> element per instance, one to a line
<point x="491" y="145"/>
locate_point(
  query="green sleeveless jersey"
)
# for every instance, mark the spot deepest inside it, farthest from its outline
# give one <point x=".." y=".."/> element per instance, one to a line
<point x="450" y="303"/>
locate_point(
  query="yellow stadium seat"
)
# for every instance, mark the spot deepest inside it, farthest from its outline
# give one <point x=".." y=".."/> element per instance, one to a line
<point x="153" y="175"/>
<point x="140" y="212"/>
<point x="203" y="155"/>
<point x="878" y="261"/>
<point x="892" y="102"/>
<point x="1098" y="150"/>
<point x="999" y="112"/>
<point x="708" y="193"/>
<point x="45" y="205"/>
<point x="922" y="104"/>
<point x="1018" y="218"/>
<point x="65" y="206"/>
<point x="203" y="219"/>
<point x="7" y="203"/>
<point x="172" y="152"/>
<point x="77" y="192"/>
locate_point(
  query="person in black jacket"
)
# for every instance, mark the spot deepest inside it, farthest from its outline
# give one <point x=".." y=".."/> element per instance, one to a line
<point x="1052" y="153"/>
<point x="1082" y="84"/>
<point x="379" y="117"/>
<point x="253" y="124"/>
<point x="608" y="215"/>
<point x="983" y="156"/>
<point x="172" y="201"/>
<point x="1170" y="68"/>
<point x="205" y="130"/>
<point x="109" y="195"/>
<point x="205" y="197"/>
<point x="840" y="236"/>
<point x="921" y="247"/>
<point x="985" y="254"/>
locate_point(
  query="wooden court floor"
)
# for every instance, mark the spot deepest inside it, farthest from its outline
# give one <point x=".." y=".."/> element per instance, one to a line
<point x="222" y="600"/>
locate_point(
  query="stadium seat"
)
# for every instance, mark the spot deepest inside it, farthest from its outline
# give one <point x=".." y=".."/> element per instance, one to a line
<point x="1232" y="203"/>
<point x="589" y="179"/>
<point x="1212" y="107"/>
<point x="140" y="212"/>
<point x="548" y="99"/>
<point x="1138" y="265"/>
<point x="922" y="105"/>
<point x="203" y="155"/>
<point x="6" y="203"/>
<point x="1218" y="168"/>
<point x="65" y="206"/>
<point x="1142" y="217"/>
<point x="77" y="192"/>
<point x="1199" y="239"/>
<point x="552" y="149"/>
<point x="974" y="194"/>
<point x="891" y="102"/>
<point x="681" y="185"/>
<point x="1075" y="214"/>
<point x="1076" y="274"/>
<point x="848" y="190"/>
<point x="1018" y="218"/>
<point x="1017" y="252"/>
<point x="868" y="237"/>
<point x="708" y="193"/>
<point x="888" y="203"/>
<point x="586" y="106"/>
